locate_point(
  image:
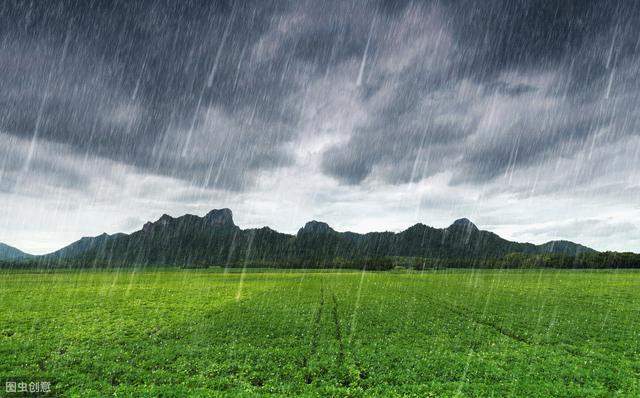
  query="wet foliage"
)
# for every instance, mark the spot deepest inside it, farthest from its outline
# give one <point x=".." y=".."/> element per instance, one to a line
<point x="214" y="333"/>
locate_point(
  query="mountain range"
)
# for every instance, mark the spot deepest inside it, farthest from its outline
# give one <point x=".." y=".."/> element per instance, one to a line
<point x="11" y="253"/>
<point x="215" y="240"/>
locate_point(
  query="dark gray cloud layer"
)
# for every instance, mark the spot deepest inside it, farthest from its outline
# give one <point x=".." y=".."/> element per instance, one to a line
<point x="134" y="82"/>
<point x="214" y="92"/>
<point x="512" y="84"/>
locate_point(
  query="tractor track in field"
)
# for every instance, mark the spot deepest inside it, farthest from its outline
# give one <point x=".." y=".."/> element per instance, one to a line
<point x="468" y="314"/>
<point x="338" y="331"/>
<point x="498" y="328"/>
<point x="316" y="328"/>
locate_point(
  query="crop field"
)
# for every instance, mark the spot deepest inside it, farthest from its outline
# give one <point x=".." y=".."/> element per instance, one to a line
<point x="294" y="333"/>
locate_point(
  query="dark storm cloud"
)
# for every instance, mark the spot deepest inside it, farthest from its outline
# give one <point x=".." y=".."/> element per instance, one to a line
<point x="213" y="92"/>
<point x="122" y="79"/>
<point x="513" y="84"/>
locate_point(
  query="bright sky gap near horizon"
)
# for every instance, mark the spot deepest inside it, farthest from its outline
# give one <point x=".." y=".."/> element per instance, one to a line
<point x="369" y="115"/>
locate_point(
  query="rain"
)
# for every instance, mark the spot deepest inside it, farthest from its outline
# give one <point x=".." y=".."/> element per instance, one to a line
<point x="319" y="198"/>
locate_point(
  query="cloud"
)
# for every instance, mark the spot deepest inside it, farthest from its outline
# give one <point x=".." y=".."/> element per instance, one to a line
<point x="442" y="86"/>
<point x="609" y="232"/>
<point x="32" y="169"/>
<point x="448" y="102"/>
<point x="121" y="81"/>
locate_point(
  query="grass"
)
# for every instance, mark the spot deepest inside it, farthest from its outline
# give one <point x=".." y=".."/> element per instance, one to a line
<point x="296" y="333"/>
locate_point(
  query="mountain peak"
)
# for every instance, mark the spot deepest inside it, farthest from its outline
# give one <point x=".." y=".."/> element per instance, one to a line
<point x="464" y="223"/>
<point x="565" y="247"/>
<point x="220" y="218"/>
<point x="162" y="221"/>
<point x="316" y="227"/>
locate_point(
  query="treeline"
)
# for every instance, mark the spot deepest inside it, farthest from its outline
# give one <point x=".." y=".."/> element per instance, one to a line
<point x="581" y="260"/>
<point x="595" y="260"/>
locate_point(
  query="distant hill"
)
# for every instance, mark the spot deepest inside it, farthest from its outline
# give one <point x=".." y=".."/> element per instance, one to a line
<point x="81" y="246"/>
<point x="215" y="239"/>
<point x="563" y="246"/>
<point x="11" y="253"/>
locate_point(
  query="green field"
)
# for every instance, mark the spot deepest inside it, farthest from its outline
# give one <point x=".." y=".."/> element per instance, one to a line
<point x="210" y="333"/>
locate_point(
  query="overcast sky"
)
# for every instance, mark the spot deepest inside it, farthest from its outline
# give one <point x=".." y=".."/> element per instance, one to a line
<point x="523" y="116"/>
